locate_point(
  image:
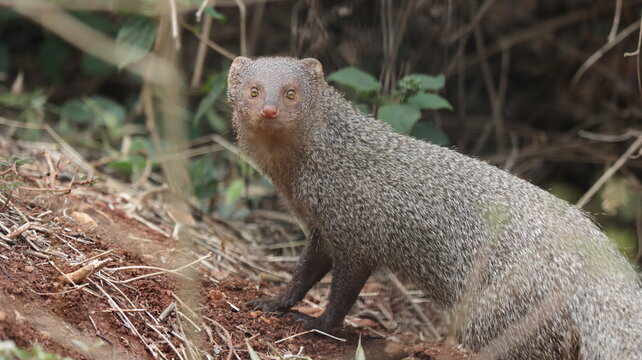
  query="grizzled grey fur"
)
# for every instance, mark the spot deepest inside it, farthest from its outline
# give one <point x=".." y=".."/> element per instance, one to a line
<point x="526" y="275"/>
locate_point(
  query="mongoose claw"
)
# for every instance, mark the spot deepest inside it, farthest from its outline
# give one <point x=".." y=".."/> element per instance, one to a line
<point x="307" y="322"/>
<point x="272" y="304"/>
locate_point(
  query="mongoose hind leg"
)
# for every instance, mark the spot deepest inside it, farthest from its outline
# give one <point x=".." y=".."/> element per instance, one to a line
<point x="313" y="264"/>
<point x="344" y="290"/>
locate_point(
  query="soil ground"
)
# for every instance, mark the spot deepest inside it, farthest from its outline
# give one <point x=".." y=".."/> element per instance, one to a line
<point x="120" y="311"/>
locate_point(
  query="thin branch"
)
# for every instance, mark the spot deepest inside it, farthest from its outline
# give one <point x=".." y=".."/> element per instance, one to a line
<point x="216" y="47"/>
<point x="201" y="9"/>
<point x="609" y="173"/>
<point x="637" y="55"/>
<point x="603" y="50"/>
<point x="616" y="20"/>
<point x="429" y="325"/>
<point x="174" y="21"/>
<point x="495" y="101"/>
<point x="202" y="50"/>
<point x="243" y="15"/>
<point x="311" y="331"/>
<point x="479" y="14"/>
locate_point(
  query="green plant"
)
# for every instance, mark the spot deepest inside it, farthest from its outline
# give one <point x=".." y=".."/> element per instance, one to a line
<point x="9" y="181"/>
<point x="403" y="108"/>
<point x="8" y="350"/>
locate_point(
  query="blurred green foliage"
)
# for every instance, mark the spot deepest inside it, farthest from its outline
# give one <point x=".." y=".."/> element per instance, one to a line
<point x="403" y="108"/>
<point x="9" y="350"/>
<point x="9" y="181"/>
<point x="615" y="205"/>
<point x="107" y="124"/>
<point x="137" y="32"/>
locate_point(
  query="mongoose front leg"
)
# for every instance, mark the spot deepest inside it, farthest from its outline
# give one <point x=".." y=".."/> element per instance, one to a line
<point x="347" y="282"/>
<point x="313" y="264"/>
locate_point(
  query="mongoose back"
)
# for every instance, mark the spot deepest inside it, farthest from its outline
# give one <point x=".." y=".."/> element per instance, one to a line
<point x="527" y="276"/>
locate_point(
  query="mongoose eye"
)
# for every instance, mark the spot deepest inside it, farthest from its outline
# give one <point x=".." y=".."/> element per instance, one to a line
<point x="254" y="92"/>
<point x="290" y="94"/>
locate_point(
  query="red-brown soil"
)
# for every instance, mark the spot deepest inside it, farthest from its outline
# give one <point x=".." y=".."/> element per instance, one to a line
<point x="122" y="312"/>
<point x="31" y="290"/>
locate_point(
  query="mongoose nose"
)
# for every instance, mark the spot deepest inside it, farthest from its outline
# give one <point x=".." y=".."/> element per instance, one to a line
<point x="270" y="111"/>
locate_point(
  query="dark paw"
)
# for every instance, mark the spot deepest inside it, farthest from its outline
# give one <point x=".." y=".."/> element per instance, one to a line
<point x="308" y="322"/>
<point x="267" y="305"/>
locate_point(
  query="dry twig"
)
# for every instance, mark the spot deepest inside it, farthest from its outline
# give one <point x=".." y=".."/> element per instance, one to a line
<point x="601" y="51"/>
<point x="428" y="324"/>
<point x="609" y="172"/>
<point x="78" y="277"/>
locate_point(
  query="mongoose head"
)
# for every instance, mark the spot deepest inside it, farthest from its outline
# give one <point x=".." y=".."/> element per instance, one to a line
<point x="274" y="94"/>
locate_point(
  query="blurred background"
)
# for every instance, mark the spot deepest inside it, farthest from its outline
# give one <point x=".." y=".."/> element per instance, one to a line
<point x="548" y="90"/>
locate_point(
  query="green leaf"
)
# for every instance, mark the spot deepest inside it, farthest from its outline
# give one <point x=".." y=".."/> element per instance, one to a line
<point x="234" y="191"/>
<point x="101" y="22"/>
<point x="355" y="78"/>
<point x="426" y="130"/>
<point x="140" y="145"/>
<point x="425" y="82"/>
<point x="136" y="32"/>
<point x="107" y="111"/>
<point x="429" y="101"/>
<point x="37" y="350"/>
<point x="217" y="122"/>
<point x="253" y="354"/>
<point x="214" y="14"/>
<point x="362" y="107"/>
<point x="53" y="54"/>
<point x="96" y="110"/>
<point x="91" y="65"/>
<point x="4" y="58"/>
<point x="129" y="164"/>
<point x="23" y="101"/>
<point x="77" y="112"/>
<point x="203" y="175"/>
<point x="22" y="354"/>
<point x="219" y="83"/>
<point x="401" y="117"/>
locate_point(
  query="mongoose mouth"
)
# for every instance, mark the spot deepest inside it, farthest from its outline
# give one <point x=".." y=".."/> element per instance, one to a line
<point x="274" y="124"/>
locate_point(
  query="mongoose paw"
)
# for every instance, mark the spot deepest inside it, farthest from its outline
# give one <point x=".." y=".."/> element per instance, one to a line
<point x="273" y="304"/>
<point x="308" y="322"/>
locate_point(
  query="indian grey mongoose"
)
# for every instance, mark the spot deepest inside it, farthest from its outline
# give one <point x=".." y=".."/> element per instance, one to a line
<point x="526" y="275"/>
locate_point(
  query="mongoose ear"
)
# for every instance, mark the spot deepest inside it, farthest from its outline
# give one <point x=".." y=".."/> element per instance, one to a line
<point x="239" y="62"/>
<point x="233" y="75"/>
<point x="314" y="66"/>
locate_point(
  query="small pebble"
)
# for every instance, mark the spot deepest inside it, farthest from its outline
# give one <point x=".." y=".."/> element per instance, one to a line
<point x="216" y="295"/>
<point x="29" y="269"/>
<point x="83" y="218"/>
